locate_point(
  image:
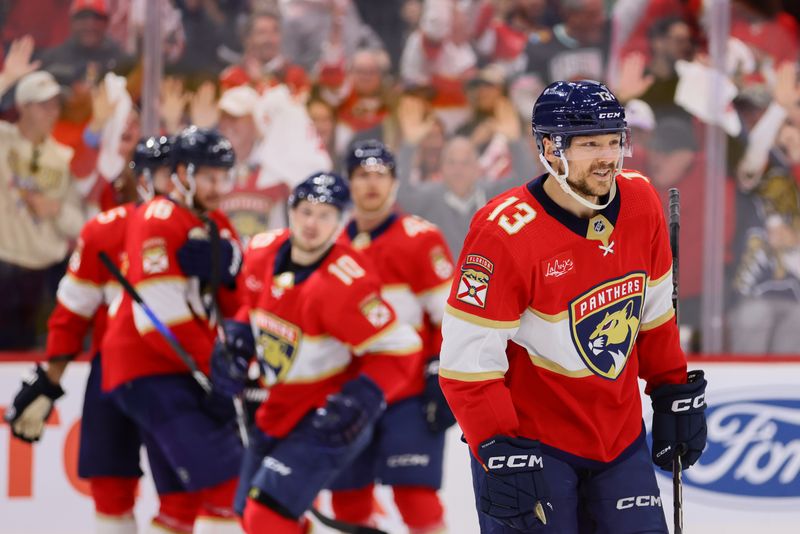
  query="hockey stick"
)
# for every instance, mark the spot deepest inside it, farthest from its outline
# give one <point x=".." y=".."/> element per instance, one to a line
<point x="199" y="377"/>
<point x="215" y="278"/>
<point x="674" y="232"/>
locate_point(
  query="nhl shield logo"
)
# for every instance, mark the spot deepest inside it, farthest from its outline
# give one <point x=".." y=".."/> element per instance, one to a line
<point x="276" y="343"/>
<point x="604" y="323"/>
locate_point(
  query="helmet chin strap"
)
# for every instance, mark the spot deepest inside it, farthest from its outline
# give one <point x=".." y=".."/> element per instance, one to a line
<point x="561" y="178"/>
<point x="188" y="194"/>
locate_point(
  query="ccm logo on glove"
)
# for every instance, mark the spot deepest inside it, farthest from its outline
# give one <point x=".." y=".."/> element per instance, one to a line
<point x="515" y="460"/>
<point x="684" y="405"/>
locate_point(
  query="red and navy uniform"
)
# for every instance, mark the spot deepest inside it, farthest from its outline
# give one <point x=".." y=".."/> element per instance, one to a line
<point x="416" y="269"/>
<point x="316" y="327"/>
<point x="549" y="326"/>
<point x="554" y="318"/>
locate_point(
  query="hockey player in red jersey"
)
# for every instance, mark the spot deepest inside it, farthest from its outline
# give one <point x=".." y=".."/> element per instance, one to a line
<point x="415" y="267"/>
<point x="564" y="301"/>
<point x="109" y="443"/>
<point x="190" y="436"/>
<point x="332" y="351"/>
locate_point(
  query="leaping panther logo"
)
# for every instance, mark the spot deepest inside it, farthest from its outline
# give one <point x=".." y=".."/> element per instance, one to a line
<point x="605" y="321"/>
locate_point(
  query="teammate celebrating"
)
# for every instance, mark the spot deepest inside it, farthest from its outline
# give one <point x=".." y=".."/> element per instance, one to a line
<point x="562" y="302"/>
<point x="415" y="267"/>
<point x="189" y="435"/>
<point x="317" y="305"/>
<point x="109" y="441"/>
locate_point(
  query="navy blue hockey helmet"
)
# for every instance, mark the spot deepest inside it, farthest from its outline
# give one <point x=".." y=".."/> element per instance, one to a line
<point x="151" y="153"/>
<point x="370" y="153"/>
<point x="322" y="188"/>
<point x="566" y="109"/>
<point x="203" y="147"/>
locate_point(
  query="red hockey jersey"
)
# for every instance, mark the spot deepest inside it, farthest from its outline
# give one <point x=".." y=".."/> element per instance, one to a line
<point x="553" y="318"/>
<point x="133" y="348"/>
<point x="415" y="267"/>
<point x="310" y="323"/>
<point x="87" y="288"/>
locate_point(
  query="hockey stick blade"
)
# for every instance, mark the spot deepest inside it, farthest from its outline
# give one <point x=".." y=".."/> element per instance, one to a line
<point x="343" y="527"/>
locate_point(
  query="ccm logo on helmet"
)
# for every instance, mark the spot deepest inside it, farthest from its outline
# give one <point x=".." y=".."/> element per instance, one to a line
<point x="640" y="501"/>
<point x="682" y="405"/>
<point x="515" y="460"/>
<point x="609" y="115"/>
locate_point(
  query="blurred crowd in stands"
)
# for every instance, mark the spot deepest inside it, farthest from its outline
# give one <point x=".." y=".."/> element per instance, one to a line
<point x="447" y="84"/>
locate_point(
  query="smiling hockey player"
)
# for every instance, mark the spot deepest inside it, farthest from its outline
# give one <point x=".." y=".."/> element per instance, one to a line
<point x="562" y="302"/>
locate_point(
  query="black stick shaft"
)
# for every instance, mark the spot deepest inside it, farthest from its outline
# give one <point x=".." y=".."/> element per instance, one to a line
<point x="674" y="237"/>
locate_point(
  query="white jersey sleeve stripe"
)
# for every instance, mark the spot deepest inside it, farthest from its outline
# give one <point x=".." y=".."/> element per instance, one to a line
<point x="550" y="340"/>
<point x="471" y="348"/>
<point x="434" y="301"/>
<point x="166" y="297"/>
<point x="658" y="300"/>
<point x="396" y="340"/>
<point x="404" y="303"/>
<point x="79" y="296"/>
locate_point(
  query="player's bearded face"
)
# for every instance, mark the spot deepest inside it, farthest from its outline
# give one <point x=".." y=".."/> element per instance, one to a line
<point x="313" y="225"/>
<point x="211" y="183"/>
<point x="371" y="188"/>
<point x="592" y="162"/>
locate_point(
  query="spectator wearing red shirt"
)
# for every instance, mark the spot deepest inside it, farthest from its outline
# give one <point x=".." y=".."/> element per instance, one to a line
<point x="262" y="65"/>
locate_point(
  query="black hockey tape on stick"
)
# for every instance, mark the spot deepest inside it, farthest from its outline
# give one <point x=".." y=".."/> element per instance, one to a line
<point x="341" y="526"/>
<point x="674" y="234"/>
<point x="201" y="379"/>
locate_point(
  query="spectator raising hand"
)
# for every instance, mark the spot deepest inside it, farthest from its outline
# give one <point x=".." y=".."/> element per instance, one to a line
<point x="102" y="108"/>
<point x="172" y="103"/>
<point x="18" y="62"/>
<point x="203" y="110"/>
<point x="634" y="81"/>
<point x="413" y="119"/>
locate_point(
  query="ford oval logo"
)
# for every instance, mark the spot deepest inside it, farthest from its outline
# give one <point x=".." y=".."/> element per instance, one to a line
<point x="753" y="446"/>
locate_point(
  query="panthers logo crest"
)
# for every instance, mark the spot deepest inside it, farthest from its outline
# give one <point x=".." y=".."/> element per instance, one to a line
<point x="605" y="321"/>
<point x="276" y="345"/>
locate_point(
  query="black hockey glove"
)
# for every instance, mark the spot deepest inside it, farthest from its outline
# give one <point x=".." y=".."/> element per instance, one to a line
<point x="513" y="490"/>
<point x="435" y="408"/>
<point x="349" y="412"/>
<point x="679" y="421"/>
<point x="195" y="258"/>
<point x="231" y="361"/>
<point x="32" y="406"/>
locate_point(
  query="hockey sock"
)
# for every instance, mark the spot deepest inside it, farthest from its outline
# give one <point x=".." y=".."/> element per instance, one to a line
<point x="353" y="506"/>
<point x="105" y="524"/>
<point x="420" y="508"/>
<point x="113" y="496"/>
<point x="177" y="512"/>
<point x="217" y="501"/>
<point x="259" y="518"/>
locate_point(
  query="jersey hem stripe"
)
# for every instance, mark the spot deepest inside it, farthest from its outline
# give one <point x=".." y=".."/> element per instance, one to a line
<point x="550" y="365"/>
<point x="470" y="377"/>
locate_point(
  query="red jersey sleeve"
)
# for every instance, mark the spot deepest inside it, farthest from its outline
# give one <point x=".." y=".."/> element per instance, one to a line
<point x="82" y="290"/>
<point x="155" y="273"/>
<point x="661" y="359"/>
<point x="483" y="311"/>
<point x="360" y="318"/>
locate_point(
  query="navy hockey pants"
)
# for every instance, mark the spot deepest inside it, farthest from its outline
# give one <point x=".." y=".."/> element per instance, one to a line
<point x="617" y="498"/>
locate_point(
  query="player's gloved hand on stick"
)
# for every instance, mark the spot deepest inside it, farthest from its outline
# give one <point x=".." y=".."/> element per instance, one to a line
<point x="32" y="406"/>
<point x="679" y="421"/>
<point x="196" y="258"/>
<point x="231" y="361"/>
<point x="348" y="412"/>
<point x="513" y="490"/>
<point x="436" y="410"/>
